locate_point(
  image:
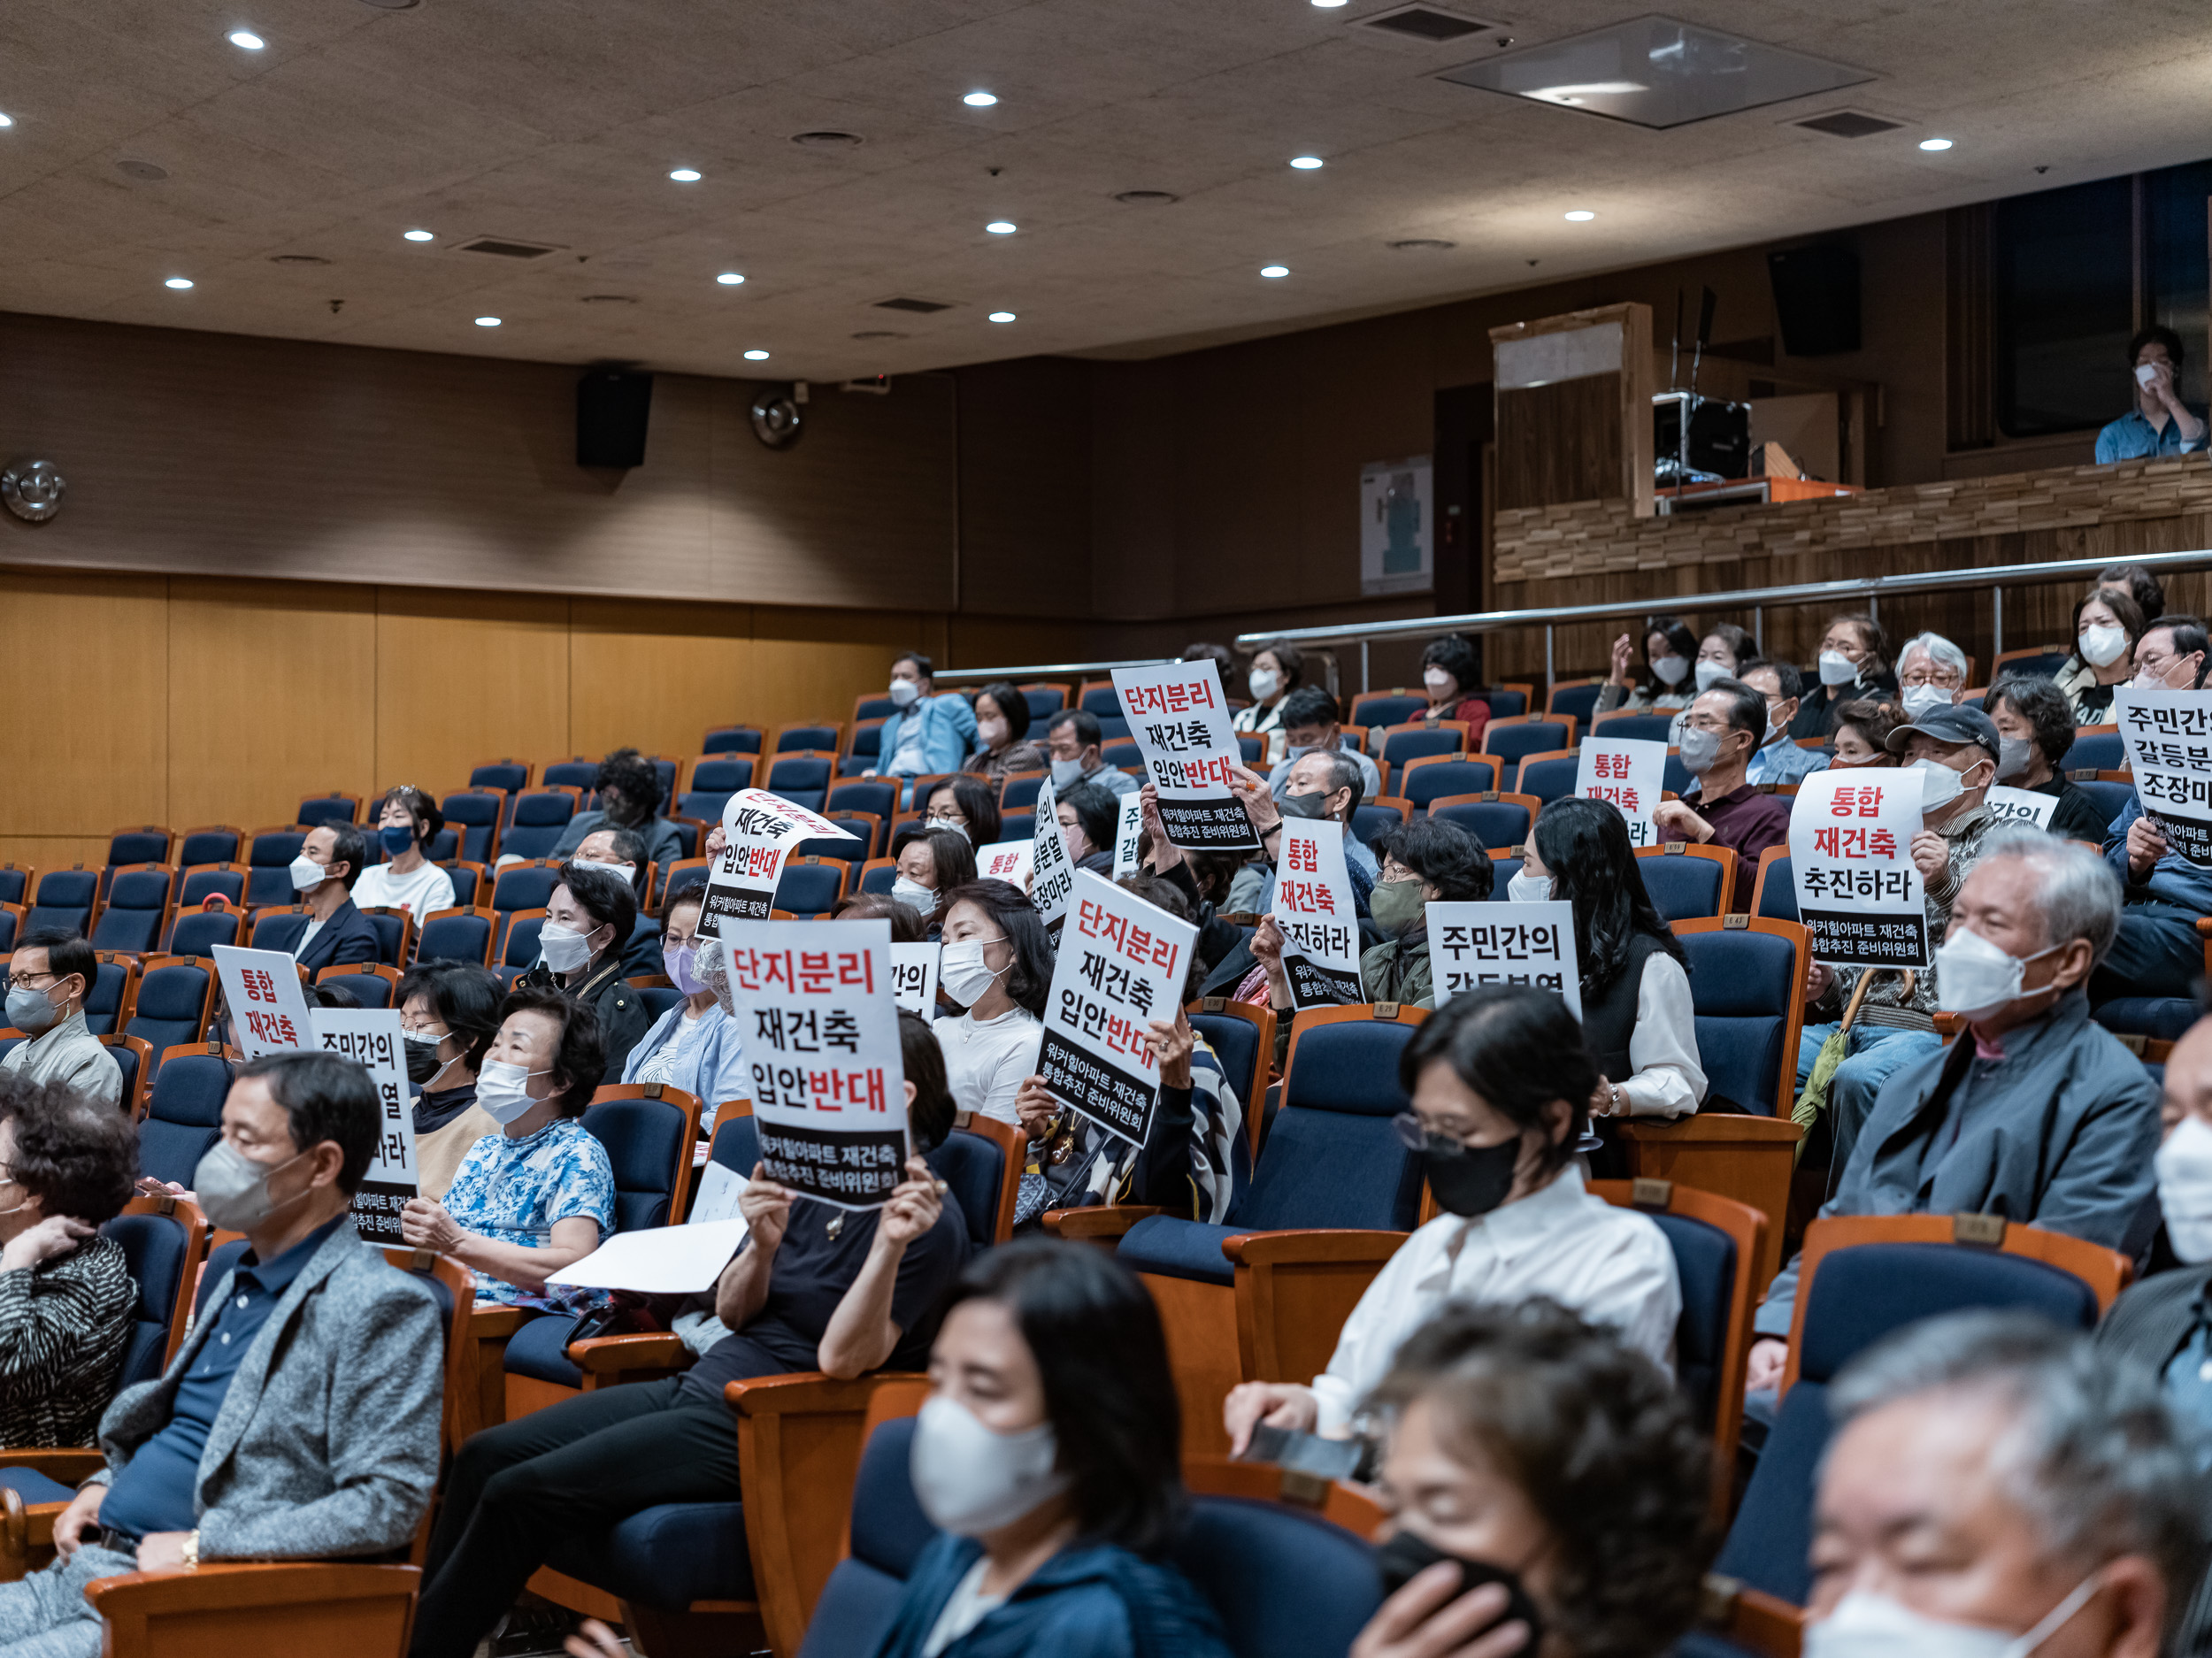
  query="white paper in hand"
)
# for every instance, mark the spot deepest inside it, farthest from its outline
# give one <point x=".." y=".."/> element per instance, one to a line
<point x="658" y="1260"/>
<point x="719" y="1188"/>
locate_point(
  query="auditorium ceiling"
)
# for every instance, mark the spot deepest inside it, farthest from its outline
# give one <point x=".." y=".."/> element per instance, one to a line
<point x="147" y="148"/>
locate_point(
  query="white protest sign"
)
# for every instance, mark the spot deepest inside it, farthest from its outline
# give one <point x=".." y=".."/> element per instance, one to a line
<point x="822" y="1042"/>
<point x="1313" y="907"/>
<point x="2020" y="805"/>
<point x="914" y="977"/>
<point x="267" y="1002"/>
<point x="2168" y="738"/>
<point x="371" y="1038"/>
<point x="1054" y="869"/>
<point x="1122" y="964"/>
<point x="759" y="830"/>
<point x="1631" y="773"/>
<point x="1007" y="860"/>
<point x="1127" y="833"/>
<point x="658" y="1260"/>
<point x="1182" y="723"/>
<point x="1858" y="890"/>
<point x="1472" y="944"/>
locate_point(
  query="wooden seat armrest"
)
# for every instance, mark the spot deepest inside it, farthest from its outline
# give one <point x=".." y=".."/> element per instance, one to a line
<point x="1099" y="1220"/>
<point x="1751" y="1618"/>
<point x="1718" y="1125"/>
<point x="493" y="1322"/>
<point x="1277" y="1249"/>
<point x="649" y="1350"/>
<point x="809" y="1390"/>
<point x="2204" y="925"/>
<point x="68" y="1467"/>
<point x="225" y="1586"/>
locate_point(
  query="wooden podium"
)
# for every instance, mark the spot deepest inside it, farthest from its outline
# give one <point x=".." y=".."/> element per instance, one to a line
<point x="1574" y="409"/>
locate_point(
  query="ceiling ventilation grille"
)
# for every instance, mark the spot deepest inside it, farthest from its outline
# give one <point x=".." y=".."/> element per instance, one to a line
<point x="923" y="306"/>
<point x="1424" y="23"/>
<point x="1848" y="123"/>
<point x="499" y="247"/>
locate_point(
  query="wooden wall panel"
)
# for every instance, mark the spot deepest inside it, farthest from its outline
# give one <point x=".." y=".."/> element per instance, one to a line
<point x="463" y="677"/>
<point x="653" y="675"/>
<point x="84" y="682"/>
<point x="271" y="687"/>
<point x="811" y="665"/>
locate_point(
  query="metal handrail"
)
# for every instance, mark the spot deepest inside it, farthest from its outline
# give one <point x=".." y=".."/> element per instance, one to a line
<point x="1994" y="577"/>
<point x="1046" y="670"/>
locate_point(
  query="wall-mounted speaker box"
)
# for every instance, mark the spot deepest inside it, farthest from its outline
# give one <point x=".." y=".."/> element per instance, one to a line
<point x="612" y="406"/>
<point x="1816" y="297"/>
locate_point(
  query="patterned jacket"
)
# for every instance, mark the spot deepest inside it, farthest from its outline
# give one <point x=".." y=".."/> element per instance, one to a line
<point x="64" y="1325"/>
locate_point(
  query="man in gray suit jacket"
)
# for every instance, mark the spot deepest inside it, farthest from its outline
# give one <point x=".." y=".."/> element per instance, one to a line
<point x="300" y="1418"/>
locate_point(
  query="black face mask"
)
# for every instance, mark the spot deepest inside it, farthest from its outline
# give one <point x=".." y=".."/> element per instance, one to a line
<point x="1405" y="1556"/>
<point x="422" y="1062"/>
<point x="1315" y="805"/>
<point x="1473" y="1180"/>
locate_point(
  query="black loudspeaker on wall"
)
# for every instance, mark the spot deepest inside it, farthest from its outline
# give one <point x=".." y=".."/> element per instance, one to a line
<point x="612" y="409"/>
<point x="1816" y="297"/>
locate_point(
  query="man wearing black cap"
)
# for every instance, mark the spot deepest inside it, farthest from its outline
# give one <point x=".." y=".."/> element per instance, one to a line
<point x="1954" y="747"/>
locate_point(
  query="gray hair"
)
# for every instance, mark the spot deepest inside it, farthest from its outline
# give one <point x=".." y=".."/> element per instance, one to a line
<point x="1940" y="651"/>
<point x="1344" y="773"/>
<point x="2078" y="893"/>
<point x="2092" y="1453"/>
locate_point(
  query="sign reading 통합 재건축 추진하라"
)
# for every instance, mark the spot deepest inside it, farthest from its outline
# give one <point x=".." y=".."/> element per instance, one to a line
<point x="1859" y="893"/>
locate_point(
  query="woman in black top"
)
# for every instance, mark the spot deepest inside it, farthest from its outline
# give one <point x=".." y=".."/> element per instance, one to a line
<point x="66" y="1299"/>
<point x="1636" y="1013"/>
<point x="449" y="1013"/>
<point x="587" y="924"/>
<point x="2035" y="728"/>
<point x="1854" y="664"/>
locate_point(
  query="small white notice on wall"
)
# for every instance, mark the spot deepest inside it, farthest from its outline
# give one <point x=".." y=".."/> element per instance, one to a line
<point x="1397" y="537"/>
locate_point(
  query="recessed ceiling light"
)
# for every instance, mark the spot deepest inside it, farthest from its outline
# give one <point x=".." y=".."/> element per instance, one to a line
<point x="1331" y="5"/>
<point x="980" y="100"/>
<point x="686" y="175"/>
<point x="731" y="279"/>
<point x="1001" y="316"/>
<point x="488" y="322"/>
<point x="418" y="236"/>
<point x="1935" y="143"/>
<point x="178" y="282"/>
<point x="7" y="120"/>
<point x="1305" y="164"/>
<point x="1001" y="227"/>
<point x="247" y="41"/>
<point x="1580" y="216"/>
<point x="756" y="357"/>
<point x="1274" y="270"/>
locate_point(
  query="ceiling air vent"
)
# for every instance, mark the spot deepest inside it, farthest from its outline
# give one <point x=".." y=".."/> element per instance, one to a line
<point x="1424" y="23"/>
<point x="1848" y="123"/>
<point x="1422" y="244"/>
<point x="1145" y="198"/>
<point x="923" y="306"/>
<point x="297" y="258"/>
<point x="823" y="138"/>
<point x="499" y="247"/>
<point x="878" y="333"/>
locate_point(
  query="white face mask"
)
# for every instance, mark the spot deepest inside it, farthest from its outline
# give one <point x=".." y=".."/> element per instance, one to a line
<point x="1925" y="698"/>
<point x="959" y="829"/>
<point x="1437" y="680"/>
<point x="1941" y="785"/>
<point x="1836" y="668"/>
<point x="963" y="972"/>
<point x="991" y="733"/>
<point x="1528" y="889"/>
<point x="1707" y="673"/>
<point x="500" y="1090"/>
<point x="2101" y="644"/>
<point x="1974" y="977"/>
<point x="903" y="693"/>
<point x="307" y="874"/>
<point x="2185" y="1188"/>
<point x="1867" y="1625"/>
<point x="565" y="950"/>
<point x="1671" y="670"/>
<point x="1066" y="773"/>
<point x="913" y="892"/>
<point x="970" y="1479"/>
<point x="1699" y="750"/>
<point x="1264" y="684"/>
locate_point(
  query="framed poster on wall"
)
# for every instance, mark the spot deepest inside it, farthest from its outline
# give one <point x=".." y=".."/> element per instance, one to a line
<point x="1397" y="539"/>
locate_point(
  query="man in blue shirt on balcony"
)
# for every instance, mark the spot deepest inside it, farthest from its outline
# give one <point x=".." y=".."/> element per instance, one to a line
<point x="2159" y="423"/>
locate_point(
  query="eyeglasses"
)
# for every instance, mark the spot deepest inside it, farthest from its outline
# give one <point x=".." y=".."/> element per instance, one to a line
<point x="1942" y="679"/>
<point x="1417" y="1136"/>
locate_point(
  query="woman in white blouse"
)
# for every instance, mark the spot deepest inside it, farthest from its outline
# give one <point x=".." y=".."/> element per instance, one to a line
<point x="1637" y="1020"/>
<point x="696" y="1045"/>
<point x="996" y="965"/>
<point x="1500" y="1085"/>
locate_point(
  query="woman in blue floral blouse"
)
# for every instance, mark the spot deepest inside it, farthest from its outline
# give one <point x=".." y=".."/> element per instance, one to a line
<point x="538" y="1195"/>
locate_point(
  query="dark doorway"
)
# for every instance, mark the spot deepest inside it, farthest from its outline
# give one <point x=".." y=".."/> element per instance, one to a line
<point x="1465" y="421"/>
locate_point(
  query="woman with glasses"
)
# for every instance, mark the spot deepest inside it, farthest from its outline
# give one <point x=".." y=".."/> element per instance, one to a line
<point x="1500" y="1084"/>
<point x="966" y="805"/>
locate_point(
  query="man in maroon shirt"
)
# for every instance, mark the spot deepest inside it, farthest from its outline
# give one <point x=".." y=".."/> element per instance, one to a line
<point x="1721" y="731"/>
